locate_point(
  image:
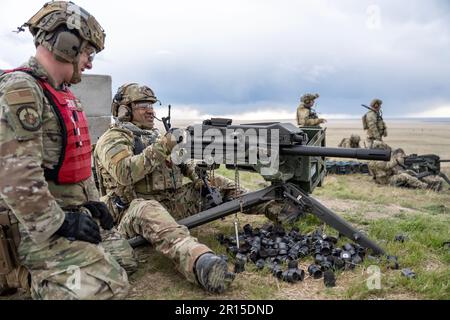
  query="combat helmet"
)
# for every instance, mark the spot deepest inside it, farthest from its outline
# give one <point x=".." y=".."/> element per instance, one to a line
<point x="66" y="29"/>
<point x="309" y="97"/>
<point x="355" y="138"/>
<point x="128" y="94"/>
<point x="375" y="101"/>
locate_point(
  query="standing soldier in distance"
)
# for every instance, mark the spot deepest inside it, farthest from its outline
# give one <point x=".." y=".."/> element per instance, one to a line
<point x="374" y="124"/>
<point x="46" y="188"/>
<point x="306" y="116"/>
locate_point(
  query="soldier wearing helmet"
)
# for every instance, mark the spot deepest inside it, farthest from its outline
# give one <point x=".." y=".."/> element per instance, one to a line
<point x="374" y="124"/>
<point x="352" y="142"/>
<point x="48" y="202"/>
<point x="144" y="189"/>
<point x="306" y="116"/>
<point x="394" y="173"/>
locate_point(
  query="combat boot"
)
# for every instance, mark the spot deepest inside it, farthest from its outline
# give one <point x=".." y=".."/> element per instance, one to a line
<point x="212" y="273"/>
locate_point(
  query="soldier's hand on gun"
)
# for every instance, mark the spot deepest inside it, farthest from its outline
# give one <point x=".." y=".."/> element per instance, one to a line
<point x="168" y="142"/>
<point x="100" y="211"/>
<point x="80" y="226"/>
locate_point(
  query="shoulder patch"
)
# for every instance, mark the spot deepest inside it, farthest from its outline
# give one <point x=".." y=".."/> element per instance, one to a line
<point x="28" y="118"/>
<point x="20" y="96"/>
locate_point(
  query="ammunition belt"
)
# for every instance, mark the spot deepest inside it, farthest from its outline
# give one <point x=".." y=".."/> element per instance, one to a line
<point x="346" y="167"/>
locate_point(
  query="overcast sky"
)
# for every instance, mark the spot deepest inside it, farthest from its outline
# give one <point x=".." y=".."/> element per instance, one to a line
<point x="258" y="56"/>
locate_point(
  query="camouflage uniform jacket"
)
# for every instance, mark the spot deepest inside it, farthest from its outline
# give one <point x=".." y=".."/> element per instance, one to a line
<point x="27" y="146"/>
<point x="305" y="117"/>
<point x="383" y="170"/>
<point x="128" y="173"/>
<point x="348" y="143"/>
<point x="376" y="127"/>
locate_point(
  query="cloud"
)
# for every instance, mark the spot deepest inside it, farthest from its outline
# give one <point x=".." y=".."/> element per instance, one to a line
<point x="221" y="55"/>
<point x="181" y="113"/>
<point x="5" y="65"/>
<point x="435" y="112"/>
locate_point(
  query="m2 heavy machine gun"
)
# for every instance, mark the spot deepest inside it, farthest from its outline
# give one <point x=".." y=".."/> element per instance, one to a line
<point x="425" y="165"/>
<point x="290" y="158"/>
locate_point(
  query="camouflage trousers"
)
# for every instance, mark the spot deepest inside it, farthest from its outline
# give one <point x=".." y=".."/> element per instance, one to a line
<point x="154" y="217"/>
<point x="152" y="220"/>
<point x="406" y="180"/>
<point x="62" y="269"/>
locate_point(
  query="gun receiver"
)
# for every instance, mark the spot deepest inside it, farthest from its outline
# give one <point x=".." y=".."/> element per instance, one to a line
<point x="425" y="165"/>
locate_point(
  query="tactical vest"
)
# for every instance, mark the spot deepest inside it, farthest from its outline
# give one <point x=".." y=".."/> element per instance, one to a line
<point x="160" y="180"/>
<point x="380" y="122"/>
<point x="166" y="177"/>
<point x="74" y="163"/>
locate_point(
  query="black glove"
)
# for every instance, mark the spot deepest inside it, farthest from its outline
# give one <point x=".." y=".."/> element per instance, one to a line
<point x="79" y="226"/>
<point x="100" y="211"/>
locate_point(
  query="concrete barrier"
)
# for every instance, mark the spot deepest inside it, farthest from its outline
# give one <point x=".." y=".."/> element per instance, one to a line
<point x="95" y="93"/>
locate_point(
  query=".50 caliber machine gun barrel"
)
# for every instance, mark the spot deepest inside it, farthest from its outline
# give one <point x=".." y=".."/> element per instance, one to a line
<point x="365" y="154"/>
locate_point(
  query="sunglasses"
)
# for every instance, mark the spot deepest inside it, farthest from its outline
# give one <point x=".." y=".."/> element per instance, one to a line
<point x="91" y="52"/>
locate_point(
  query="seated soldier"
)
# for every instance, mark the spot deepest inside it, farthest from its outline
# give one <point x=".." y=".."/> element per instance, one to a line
<point x="145" y="191"/>
<point x="393" y="172"/>
<point x="353" y="142"/>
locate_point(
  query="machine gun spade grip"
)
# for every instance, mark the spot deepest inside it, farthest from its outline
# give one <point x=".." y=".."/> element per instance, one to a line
<point x="212" y="195"/>
<point x="166" y="121"/>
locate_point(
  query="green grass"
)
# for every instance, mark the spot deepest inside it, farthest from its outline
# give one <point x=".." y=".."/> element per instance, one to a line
<point x="427" y="228"/>
<point x="426" y="225"/>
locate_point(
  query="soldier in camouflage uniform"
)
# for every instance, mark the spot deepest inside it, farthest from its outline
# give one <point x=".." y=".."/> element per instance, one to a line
<point x="352" y="142"/>
<point x="393" y="173"/>
<point x="46" y="188"/>
<point x="374" y="124"/>
<point x="306" y="116"/>
<point x="144" y="188"/>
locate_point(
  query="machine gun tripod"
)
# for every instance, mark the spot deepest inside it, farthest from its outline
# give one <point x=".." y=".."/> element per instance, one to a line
<point x="286" y="192"/>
